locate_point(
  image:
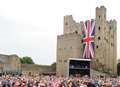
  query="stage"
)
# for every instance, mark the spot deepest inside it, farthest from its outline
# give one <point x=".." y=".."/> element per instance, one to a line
<point x="78" y="66"/>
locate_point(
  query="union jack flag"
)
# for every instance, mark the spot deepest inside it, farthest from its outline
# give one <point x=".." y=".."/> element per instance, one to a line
<point x="88" y="32"/>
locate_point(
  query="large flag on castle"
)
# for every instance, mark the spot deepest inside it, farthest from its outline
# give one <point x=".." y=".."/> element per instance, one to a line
<point x="88" y="32"/>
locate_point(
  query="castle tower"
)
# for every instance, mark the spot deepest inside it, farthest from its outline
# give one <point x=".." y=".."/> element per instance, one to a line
<point x="70" y="26"/>
<point x="68" y="45"/>
<point x="105" y="40"/>
<point x="99" y="33"/>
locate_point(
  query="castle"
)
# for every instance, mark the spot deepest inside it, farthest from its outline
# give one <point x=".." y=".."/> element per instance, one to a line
<point x="69" y="44"/>
<point x="10" y="64"/>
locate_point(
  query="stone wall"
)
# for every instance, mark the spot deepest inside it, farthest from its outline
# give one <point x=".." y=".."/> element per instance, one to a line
<point x="68" y="46"/>
<point x="32" y="69"/>
<point x="10" y="63"/>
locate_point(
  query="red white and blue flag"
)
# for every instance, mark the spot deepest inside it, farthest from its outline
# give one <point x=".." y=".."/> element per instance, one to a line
<point x="88" y="33"/>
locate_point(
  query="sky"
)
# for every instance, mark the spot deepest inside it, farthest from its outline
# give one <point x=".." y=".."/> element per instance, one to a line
<point x="30" y="27"/>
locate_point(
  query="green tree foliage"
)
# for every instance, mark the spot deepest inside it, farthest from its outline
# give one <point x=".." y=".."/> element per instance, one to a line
<point x="53" y="65"/>
<point x="26" y="60"/>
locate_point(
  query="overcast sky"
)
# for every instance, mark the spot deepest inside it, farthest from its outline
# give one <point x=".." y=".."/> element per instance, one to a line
<point x="30" y="27"/>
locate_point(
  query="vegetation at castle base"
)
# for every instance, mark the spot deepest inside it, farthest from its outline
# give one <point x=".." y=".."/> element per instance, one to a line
<point x="53" y="65"/>
<point x="26" y="60"/>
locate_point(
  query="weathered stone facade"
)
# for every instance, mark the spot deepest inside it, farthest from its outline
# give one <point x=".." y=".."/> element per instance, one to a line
<point x="10" y="64"/>
<point x="69" y="44"/>
<point x="33" y="69"/>
<point x="106" y="40"/>
<point x="68" y="47"/>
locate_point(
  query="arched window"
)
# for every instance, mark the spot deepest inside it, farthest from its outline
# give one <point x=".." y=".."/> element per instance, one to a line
<point x="99" y="38"/>
<point x="99" y="28"/>
<point x="99" y="17"/>
<point x="104" y="16"/>
<point x="97" y="46"/>
<point x="110" y="27"/>
<point x="76" y="32"/>
<point x="66" y="23"/>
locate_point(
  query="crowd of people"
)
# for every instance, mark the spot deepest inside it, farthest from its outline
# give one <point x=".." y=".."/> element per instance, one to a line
<point x="57" y="81"/>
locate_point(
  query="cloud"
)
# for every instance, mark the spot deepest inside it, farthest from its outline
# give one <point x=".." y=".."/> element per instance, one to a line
<point x="27" y="40"/>
<point x="30" y="27"/>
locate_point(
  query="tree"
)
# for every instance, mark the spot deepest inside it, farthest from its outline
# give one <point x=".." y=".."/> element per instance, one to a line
<point x="53" y="65"/>
<point x="26" y="60"/>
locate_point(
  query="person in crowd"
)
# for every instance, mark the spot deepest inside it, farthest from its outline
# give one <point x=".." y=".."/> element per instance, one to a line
<point x="55" y="81"/>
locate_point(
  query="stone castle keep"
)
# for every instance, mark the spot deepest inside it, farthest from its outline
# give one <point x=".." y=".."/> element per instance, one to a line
<point x="69" y="44"/>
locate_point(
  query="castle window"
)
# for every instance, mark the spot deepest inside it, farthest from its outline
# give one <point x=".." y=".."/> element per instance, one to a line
<point x="66" y="23"/>
<point x="104" y="16"/>
<point x="76" y="32"/>
<point x="99" y="38"/>
<point x="71" y="47"/>
<point x="111" y="44"/>
<point x="59" y="48"/>
<point x="104" y="38"/>
<point x="107" y="40"/>
<point x="97" y="46"/>
<point x="65" y="60"/>
<point x="99" y="28"/>
<point x="111" y="36"/>
<point x="59" y="60"/>
<point x="110" y="28"/>
<point x="99" y="17"/>
<point x="104" y="28"/>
